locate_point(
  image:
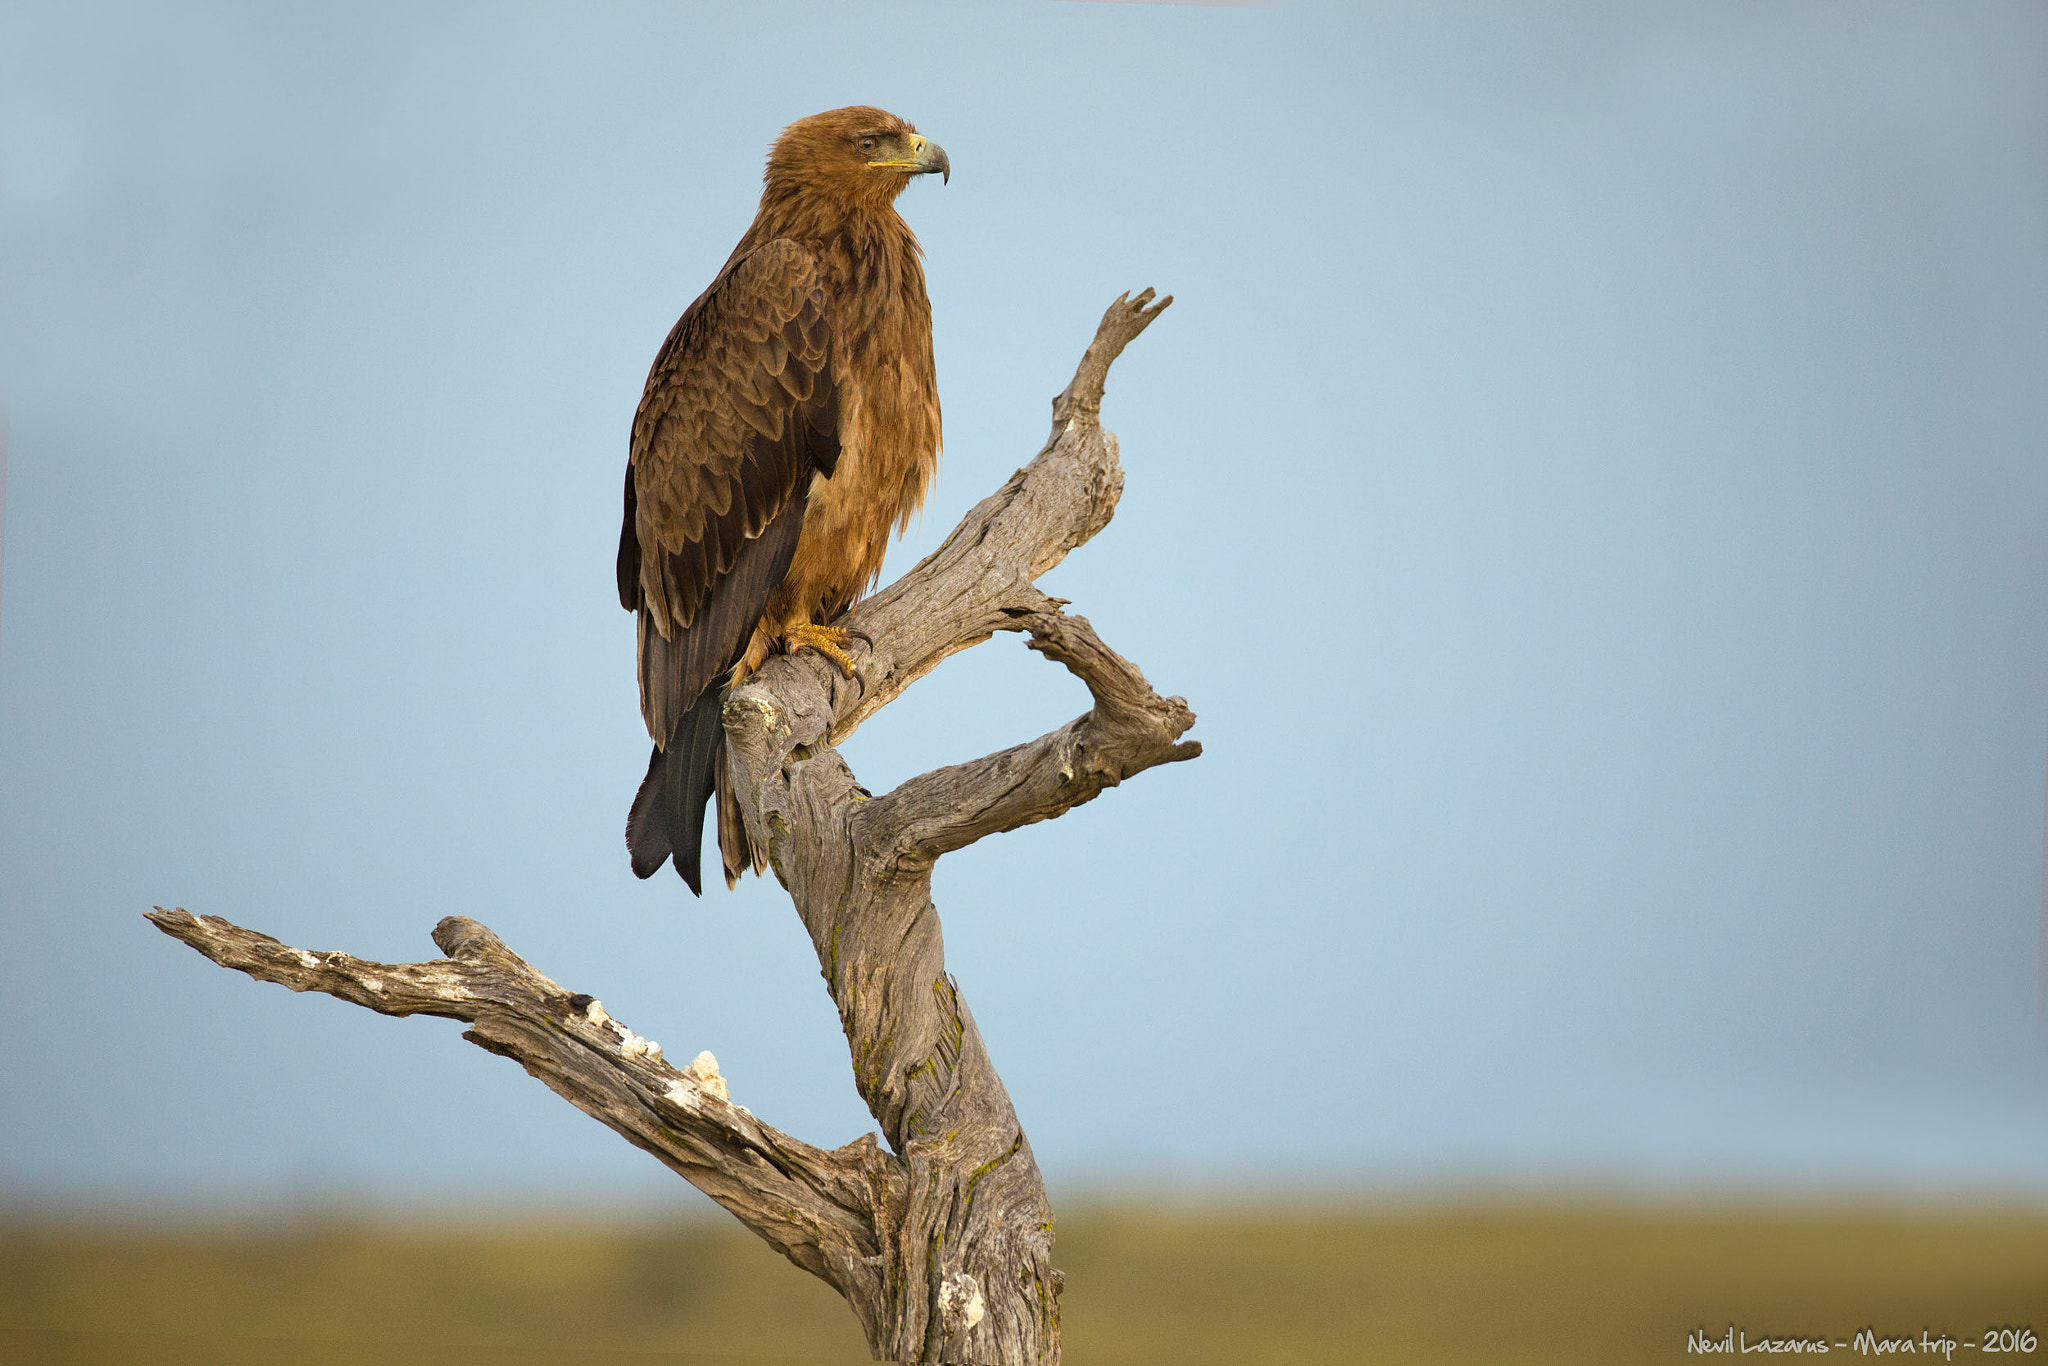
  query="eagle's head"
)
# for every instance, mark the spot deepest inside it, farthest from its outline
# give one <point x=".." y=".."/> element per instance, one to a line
<point x="857" y="155"/>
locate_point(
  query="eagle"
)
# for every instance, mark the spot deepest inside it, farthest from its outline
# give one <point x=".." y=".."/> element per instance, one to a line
<point x="789" y="421"/>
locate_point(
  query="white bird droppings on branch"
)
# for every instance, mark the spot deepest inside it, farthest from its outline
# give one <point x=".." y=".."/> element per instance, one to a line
<point x="960" y="1301"/>
<point x="703" y="1070"/>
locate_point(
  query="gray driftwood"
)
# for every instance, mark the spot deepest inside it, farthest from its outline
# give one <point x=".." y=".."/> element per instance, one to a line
<point x="942" y="1241"/>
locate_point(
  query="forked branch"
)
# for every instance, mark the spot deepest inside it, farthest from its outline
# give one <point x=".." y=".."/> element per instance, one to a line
<point x="1130" y="729"/>
<point x="941" y="1243"/>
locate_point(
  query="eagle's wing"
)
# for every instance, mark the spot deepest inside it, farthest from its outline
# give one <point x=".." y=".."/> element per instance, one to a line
<point x="738" y="413"/>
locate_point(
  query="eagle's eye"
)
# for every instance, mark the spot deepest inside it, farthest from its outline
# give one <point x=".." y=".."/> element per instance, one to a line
<point x="867" y="144"/>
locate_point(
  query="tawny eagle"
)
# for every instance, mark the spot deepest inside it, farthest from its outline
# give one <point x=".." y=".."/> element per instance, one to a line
<point x="790" y="419"/>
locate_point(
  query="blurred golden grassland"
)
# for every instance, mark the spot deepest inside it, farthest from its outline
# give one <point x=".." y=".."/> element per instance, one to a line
<point x="1526" y="1282"/>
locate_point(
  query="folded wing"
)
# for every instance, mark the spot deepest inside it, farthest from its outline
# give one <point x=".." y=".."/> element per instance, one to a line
<point x="738" y="415"/>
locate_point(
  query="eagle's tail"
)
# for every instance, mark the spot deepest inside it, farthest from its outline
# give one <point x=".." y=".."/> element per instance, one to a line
<point x="667" y="819"/>
<point x="735" y="850"/>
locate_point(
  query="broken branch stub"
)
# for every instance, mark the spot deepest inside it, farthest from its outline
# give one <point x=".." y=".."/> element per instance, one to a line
<point x="941" y="1243"/>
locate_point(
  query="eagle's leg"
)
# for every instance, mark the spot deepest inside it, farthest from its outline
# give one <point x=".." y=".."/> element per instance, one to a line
<point x="829" y="641"/>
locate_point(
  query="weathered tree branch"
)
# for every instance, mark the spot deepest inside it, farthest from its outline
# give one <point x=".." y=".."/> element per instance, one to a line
<point x="816" y="1207"/>
<point x="942" y="1243"/>
<point x="982" y="578"/>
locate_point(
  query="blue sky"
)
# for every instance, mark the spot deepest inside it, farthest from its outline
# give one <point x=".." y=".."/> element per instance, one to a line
<point x="1590" y="489"/>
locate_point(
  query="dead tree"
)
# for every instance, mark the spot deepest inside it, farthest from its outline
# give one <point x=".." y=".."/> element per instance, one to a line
<point x="942" y="1241"/>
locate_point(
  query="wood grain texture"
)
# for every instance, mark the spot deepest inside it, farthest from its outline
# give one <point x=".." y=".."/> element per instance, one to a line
<point x="941" y="1242"/>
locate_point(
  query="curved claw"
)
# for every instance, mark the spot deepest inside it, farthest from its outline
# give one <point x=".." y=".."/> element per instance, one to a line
<point x="829" y="641"/>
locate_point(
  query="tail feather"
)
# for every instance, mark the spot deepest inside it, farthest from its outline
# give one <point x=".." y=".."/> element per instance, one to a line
<point x="735" y="850"/>
<point x="667" y="819"/>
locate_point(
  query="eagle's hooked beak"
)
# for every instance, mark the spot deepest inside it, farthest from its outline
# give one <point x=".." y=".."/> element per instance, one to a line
<point x="926" y="157"/>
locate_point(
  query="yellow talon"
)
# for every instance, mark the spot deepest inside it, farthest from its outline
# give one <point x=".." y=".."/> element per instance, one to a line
<point x="829" y="641"/>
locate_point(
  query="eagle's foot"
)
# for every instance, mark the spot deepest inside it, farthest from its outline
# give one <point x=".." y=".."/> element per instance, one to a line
<point x="829" y="641"/>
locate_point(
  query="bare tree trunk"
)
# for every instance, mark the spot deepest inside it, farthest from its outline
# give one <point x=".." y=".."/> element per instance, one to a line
<point x="942" y="1242"/>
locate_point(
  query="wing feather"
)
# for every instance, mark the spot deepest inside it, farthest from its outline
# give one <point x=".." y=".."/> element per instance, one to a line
<point x="738" y="414"/>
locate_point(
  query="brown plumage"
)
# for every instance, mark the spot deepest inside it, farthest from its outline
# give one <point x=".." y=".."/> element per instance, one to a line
<point x="789" y="421"/>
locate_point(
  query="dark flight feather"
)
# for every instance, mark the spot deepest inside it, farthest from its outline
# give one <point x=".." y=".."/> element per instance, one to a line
<point x="723" y="455"/>
<point x="667" y="819"/>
